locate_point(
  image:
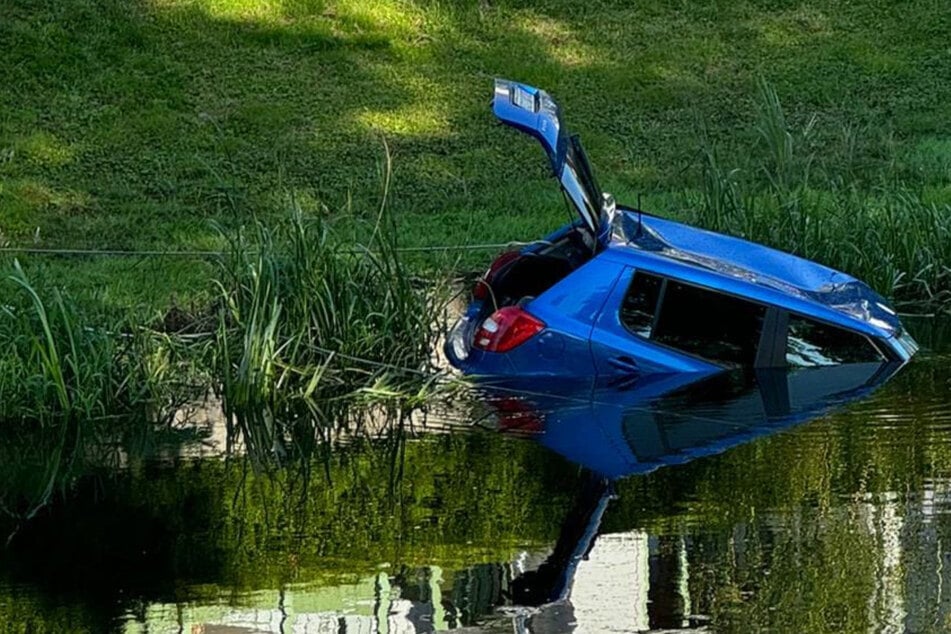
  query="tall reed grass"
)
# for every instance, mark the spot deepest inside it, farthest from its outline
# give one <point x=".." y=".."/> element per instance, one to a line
<point x="886" y="234"/>
<point x="306" y="327"/>
<point x="68" y="389"/>
<point x="56" y="365"/>
<point x="308" y="323"/>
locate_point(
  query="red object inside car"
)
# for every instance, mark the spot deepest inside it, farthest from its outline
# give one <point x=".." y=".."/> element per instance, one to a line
<point x="482" y="287"/>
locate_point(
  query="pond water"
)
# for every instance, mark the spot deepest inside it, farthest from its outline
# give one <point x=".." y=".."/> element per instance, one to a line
<point x="754" y="503"/>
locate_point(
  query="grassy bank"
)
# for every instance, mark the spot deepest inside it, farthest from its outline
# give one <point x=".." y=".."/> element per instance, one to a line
<point x="304" y="332"/>
<point x="133" y="125"/>
<point x="888" y="234"/>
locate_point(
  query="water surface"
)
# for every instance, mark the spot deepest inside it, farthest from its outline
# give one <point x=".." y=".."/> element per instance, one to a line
<point x="842" y="523"/>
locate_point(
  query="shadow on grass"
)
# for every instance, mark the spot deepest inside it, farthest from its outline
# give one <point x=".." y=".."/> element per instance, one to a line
<point x="134" y="124"/>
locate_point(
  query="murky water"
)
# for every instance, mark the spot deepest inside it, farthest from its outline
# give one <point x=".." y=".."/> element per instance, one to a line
<point x="790" y="505"/>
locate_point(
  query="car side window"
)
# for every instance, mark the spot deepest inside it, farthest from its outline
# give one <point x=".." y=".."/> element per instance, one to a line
<point x="811" y="343"/>
<point x="708" y="324"/>
<point x="712" y="325"/>
<point x="640" y="303"/>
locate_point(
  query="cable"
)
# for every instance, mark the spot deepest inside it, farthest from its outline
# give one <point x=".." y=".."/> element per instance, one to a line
<point x="217" y="254"/>
<point x="109" y="252"/>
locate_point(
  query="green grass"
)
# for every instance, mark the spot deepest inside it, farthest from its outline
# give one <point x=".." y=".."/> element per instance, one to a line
<point x="135" y="124"/>
<point x="892" y="237"/>
<point x="68" y="391"/>
<point x="55" y="368"/>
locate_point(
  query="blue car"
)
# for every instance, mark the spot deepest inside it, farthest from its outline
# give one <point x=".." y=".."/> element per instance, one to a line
<point x="623" y="293"/>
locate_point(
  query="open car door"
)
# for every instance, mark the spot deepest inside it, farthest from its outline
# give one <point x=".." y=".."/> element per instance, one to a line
<point x="534" y="112"/>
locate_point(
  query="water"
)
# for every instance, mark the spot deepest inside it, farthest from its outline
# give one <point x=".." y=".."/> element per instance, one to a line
<point x="724" y="519"/>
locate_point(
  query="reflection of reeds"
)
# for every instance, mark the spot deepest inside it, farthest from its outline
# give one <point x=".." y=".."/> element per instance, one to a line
<point x="889" y="237"/>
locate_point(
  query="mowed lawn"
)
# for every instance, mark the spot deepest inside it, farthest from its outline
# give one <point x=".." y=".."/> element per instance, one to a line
<point x="143" y="124"/>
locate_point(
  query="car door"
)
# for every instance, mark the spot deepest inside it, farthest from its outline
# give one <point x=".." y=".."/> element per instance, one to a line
<point x="620" y="350"/>
<point x="654" y="323"/>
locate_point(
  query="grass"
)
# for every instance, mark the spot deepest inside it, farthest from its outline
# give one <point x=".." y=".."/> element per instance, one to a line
<point x="172" y="124"/>
<point x="68" y="391"/>
<point x="56" y="367"/>
<point x="888" y="235"/>
<point x="136" y="124"/>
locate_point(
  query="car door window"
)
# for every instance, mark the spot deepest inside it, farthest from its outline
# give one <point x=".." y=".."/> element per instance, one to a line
<point x="708" y="324"/>
<point x="640" y="304"/>
<point x="810" y="343"/>
<point x="712" y="325"/>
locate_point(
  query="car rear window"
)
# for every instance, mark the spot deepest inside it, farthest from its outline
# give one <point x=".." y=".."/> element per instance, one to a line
<point x="811" y="343"/>
<point x="712" y="325"/>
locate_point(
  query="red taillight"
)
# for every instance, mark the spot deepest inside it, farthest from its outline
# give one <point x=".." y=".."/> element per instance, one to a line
<point x="507" y="328"/>
<point x="482" y="285"/>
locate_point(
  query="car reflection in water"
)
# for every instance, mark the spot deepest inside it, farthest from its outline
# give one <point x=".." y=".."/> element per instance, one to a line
<point x="632" y="582"/>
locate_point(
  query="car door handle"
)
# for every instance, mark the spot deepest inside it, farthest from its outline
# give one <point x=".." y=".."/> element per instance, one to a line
<point x="624" y="364"/>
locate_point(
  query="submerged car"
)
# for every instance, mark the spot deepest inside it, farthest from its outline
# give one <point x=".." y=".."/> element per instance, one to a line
<point x="624" y="292"/>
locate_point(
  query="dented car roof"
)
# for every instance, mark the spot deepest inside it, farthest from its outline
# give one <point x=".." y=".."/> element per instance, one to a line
<point x="756" y="268"/>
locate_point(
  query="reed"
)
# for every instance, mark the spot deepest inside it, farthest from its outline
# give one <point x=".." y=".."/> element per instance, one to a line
<point x="308" y="323"/>
<point x="78" y="391"/>
<point x="60" y="362"/>
<point x="71" y="393"/>
<point x="306" y="326"/>
<point x="55" y="367"/>
<point x="887" y="235"/>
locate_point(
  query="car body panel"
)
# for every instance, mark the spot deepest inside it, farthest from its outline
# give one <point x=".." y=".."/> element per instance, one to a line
<point x="533" y="111"/>
<point x="563" y="348"/>
<point x="611" y="342"/>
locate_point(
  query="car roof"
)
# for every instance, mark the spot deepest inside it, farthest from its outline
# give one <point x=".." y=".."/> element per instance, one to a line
<point x="751" y="270"/>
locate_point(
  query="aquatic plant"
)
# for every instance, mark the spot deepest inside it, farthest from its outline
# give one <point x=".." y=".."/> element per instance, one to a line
<point x="307" y="322"/>
<point x="887" y="235"/>
<point x="304" y="326"/>
<point x="71" y="390"/>
<point x="61" y="363"/>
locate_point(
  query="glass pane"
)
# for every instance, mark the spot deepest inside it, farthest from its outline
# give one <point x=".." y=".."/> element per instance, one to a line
<point x="811" y="343"/>
<point x="640" y="303"/>
<point x="718" y="327"/>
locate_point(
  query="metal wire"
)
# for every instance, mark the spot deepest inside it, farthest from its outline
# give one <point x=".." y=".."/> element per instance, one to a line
<point x="215" y="254"/>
